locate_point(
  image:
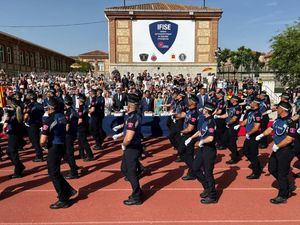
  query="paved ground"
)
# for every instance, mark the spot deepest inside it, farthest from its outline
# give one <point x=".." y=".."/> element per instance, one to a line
<point x="168" y="199"/>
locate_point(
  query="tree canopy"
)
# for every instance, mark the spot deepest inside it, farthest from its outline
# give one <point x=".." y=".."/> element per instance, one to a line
<point x="285" y="59"/>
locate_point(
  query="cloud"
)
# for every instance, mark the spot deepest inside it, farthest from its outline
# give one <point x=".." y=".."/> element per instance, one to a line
<point x="272" y="4"/>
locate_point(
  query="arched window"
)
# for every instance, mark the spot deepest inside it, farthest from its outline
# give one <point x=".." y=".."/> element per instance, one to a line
<point x="9" y="55"/>
<point x="21" y="57"/>
<point x="2" y="53"/>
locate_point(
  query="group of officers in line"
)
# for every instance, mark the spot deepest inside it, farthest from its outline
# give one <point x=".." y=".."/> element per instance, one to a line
<point x="215" y="125"/>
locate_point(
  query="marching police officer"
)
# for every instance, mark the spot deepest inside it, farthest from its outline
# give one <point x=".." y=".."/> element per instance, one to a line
<point x="264" y="110"/>
<point x="53" y="136"/>
<point x="220" y="122"/>
<point x="95" y="119"/>
<point x="250" y="148"/>
<point x="186" y="146"/>
<point x="279" y="163"/>
<point x="296" y="118"/>
<point x="33" y="118"/>
<point x="13" y="127"/>
<point x="71" y="134"/>
<point x="83" y="127"/>
<point x="231" y="135"/>
<point x="204" y="162"/>
<point x="101" y="103"/>
<point x="132" y="148"/>
<point x="178" y="119"/>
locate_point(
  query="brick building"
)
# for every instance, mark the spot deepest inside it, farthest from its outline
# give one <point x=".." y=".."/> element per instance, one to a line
<point x="21" y="56"/>
<point x="204" y="41"/>
<point x="98" y="59"/>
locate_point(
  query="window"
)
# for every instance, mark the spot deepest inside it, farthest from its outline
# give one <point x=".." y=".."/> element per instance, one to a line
<point x="2" y="53"/>
<point x="32" y="63"/>
<point x="9" y="55"/>
<point x="21" y="57"/>
<point x="45" y="63"/>
<point x="41" y="62"/>
<point x="27" y="60"/>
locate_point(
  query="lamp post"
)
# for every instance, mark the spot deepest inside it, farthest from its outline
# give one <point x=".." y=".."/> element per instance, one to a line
<point x="204" y="3"/>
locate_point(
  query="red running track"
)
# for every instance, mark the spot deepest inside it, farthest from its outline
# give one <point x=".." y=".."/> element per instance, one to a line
<point x="169" y="200"/>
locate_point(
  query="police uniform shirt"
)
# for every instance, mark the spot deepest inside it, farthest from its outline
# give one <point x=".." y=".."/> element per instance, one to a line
<point x="221" y="106"/>
<point x="263" y="107"/>
<point x="100" y="103"/>
<point x="249" y="99"/>
<point x="35" y="112"/>
<point x="208" y="129"/>
<point x="283" y="127"/>
<point x="13" y="127"/>
<point x="54" y="127"/>
<point x="180" y="107"/>
<point x="71" y="120"/>
<point x="191" y="118"/>
<point x="254" y="116"/>
<point x="133" y="123"/>
<point x="232" y="112"/>
<point x="83" y="114"/>
<point x="95" y="103"/>
<point x="212" y="100"/>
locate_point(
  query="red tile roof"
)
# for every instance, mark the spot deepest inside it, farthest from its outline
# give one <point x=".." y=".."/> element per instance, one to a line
<point x="162" y="6"/>
<point x="94" y="53"/>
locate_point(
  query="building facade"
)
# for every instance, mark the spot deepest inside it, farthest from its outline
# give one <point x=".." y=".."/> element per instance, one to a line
<point x="21" y="56"/>
<point x="98" y="59"/>
<point x="165" y="28"/>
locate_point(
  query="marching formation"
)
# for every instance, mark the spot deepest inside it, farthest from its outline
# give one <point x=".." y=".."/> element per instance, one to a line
<point x="200" y="123"/>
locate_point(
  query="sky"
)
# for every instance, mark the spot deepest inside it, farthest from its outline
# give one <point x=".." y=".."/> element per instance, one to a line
<point x="251" y="23"/>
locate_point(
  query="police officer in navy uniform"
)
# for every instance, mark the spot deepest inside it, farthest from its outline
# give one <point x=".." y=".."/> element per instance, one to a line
<point x="230" y="136"/>
<point x="220" y="122"/>
<point x="178" y="119"/>
<point x="186" y="146"/>
<point x="296" y="119"/>
<point x="33" y="118"/>
<point x="83" y="128"/>
<point x="13" y="127"/>
<point x="101" y="103"/>
<point x="285" y="132"/>
<point x="95" y="119"/>
<point x="250" y="148"/>
<point x="132" y="148"/>
<point x="204" y="162"/>
<point x="54" y="137"/>
<point x="71" y="134"/>
<point x="263" y="108"/>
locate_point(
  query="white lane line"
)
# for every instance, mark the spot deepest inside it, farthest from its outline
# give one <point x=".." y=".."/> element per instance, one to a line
<point x="158" y="222"/>
<point x="153" y="189"/>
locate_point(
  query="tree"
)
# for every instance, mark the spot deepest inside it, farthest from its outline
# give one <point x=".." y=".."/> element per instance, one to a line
<point x="85" y="66"/>
<point x="285" y="60"/>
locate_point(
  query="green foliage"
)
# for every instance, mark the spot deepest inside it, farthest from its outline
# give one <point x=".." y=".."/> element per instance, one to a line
<point x="286" y="55"/>
<point x="85" y="66"/>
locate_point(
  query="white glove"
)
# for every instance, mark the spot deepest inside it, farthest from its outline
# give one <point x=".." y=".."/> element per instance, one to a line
<point x="242" y="117"/>
<point x="173" y="118"/>
<point x="259" y="137"/>
<point x="268" y="112"/>
<point x="236" y="127"/>
<point x="26" y="124"/>
<point x="248" y="107"/>
<point x="298" y="131"/>
<point x="123" y="147"/>
<point x="201" y="144"/>
<point x="116" y="136"/>
<point x="227" y="126"/>
<point x="247" y="136"/>
<point x="216" y="116"/>
<point x="275" y="148"/>
<point x="116" y="128"/>
<point x="187" y="141"/>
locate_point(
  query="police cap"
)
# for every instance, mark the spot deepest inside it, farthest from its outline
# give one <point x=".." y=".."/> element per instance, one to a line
<point x="82" y="97"/>
<point x="194" y="98"/>
<point x="53" y="102"/>
<point x="257" y="100"/>
<point x="285" y="105"/>
<point x="133" y="99"/>
<point x="221" y="93"/>
<point x="209" y="106"/>
<point x="285" y="95"/>
<point x="236" y="98"/>
<point x="68" y="100"/>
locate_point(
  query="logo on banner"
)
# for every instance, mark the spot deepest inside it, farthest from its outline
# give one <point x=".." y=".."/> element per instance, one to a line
<point x="182" y="57"/>
<point x="153" y="58"/>
<point x="163" y="35"/>
<point x="144" y="57"/>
